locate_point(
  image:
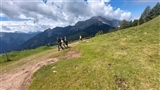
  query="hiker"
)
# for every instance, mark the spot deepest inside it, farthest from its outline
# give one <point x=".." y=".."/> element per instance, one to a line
<point x="66" y="41"/>
<point x="80" y="38"/>
<point x="59" y="44"/>
<point x="63" y="42"/>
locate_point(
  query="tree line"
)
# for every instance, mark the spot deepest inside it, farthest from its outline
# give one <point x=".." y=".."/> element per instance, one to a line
<point x="147" y="15"/>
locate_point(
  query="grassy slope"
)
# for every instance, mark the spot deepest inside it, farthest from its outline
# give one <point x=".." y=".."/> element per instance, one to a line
<point x="20" y="58"/>
<point x="17" y="55"/>
<point x="126" y="59"/>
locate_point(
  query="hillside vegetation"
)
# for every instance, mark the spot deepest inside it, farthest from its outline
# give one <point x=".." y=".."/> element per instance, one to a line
<point x="17" y="55"/>
<point x="125" y="59"/>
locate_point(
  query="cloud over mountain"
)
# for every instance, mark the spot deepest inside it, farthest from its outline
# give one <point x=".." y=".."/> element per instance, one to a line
<point x="37" y="15"/>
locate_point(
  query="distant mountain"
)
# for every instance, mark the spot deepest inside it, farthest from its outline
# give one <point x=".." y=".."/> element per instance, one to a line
<point x="12" y="41"/>
<point x="97" y="20"/>
<point x="86" y="28"/>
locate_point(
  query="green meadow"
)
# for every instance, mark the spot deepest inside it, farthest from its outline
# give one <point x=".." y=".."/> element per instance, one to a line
<point x="127" y="59"/>
<point x="17" y="55"/>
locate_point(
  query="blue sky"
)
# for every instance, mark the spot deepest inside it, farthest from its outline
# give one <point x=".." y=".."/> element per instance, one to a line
<point x="136" y="7"/>
<point x="38" y="15"/>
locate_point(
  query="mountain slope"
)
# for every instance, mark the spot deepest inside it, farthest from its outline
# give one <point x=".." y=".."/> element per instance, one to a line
<point x="98" y="20"/>
<point x="128" y="59"/>
<point x="86" y="28"/>
<point x="11" y="41"/>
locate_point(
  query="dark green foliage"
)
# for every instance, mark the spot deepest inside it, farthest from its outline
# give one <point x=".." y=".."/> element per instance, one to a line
<point x="124" y="24"/>
<point x="135" y="23"/>
<point x="99" y="33"/>
<point x="130" y="23"/>
<point x="146" y="12"/>
<point x="140" y="21"/>
<point x="149" y="13"/>
<point x="155" y="11"/>
<point x="144" y="15"/>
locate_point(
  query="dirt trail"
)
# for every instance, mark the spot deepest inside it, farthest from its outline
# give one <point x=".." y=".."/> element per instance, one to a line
<point x="19" y="78"/>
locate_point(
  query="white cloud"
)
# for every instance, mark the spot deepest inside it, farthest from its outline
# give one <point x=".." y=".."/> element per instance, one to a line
<point x="2" y="15"/>
<point x="22" y="26"/>
<point x="35" y="15"/>
<point x="98" y="0"/>
<point x="125" y="15"/>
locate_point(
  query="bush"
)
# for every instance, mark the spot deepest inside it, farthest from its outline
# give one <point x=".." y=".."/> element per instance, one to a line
<point x="99" y="33"/>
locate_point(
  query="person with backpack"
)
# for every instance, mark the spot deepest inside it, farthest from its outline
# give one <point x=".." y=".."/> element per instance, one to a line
<point x="63" y="42"/>
<point x="66" y="41"/>
<point x="59" y="44"/>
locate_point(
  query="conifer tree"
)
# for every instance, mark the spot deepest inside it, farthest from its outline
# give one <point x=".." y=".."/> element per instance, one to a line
<point x="144" y="15"/>
<point x="124" y="24"/>
<point x="135" y="23"/>
<point x="155" y="11"/>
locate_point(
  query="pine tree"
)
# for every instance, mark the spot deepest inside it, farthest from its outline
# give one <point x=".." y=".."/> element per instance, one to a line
<point x="144" y="15"/>
<point x="154" y="12"/>
<point x="99" y="33"/>
<point x="141" y="21"/>
<point x="130" y="23"/>
<point x="135" y="23"/>
<point x="124" y="24"/>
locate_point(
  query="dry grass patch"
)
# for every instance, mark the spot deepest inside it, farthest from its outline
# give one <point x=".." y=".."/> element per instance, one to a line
<point x="70" y="54"/>
<point x="121" y="53"/>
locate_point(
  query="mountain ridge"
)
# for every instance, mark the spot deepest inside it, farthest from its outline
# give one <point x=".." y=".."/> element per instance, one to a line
<point x="12" y="41"/>
<point x="87" y="28"/>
